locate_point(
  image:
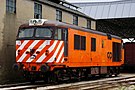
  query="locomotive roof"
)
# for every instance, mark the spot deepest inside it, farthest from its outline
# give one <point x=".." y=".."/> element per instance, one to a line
<point x="66" y="25"/>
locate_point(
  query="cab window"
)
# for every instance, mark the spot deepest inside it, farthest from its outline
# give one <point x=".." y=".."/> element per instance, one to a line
<point x="58" y="34"/>
<point x="43" y="32"/>
<point x="93" y="44"/>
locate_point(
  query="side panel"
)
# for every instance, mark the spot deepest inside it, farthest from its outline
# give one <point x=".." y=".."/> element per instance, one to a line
<point x="78" y="57"/>
<point x="87" y="58"/>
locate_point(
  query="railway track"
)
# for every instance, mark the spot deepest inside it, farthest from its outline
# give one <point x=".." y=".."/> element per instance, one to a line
<point x="103" y="84"/>
<point x="100" y="84"/>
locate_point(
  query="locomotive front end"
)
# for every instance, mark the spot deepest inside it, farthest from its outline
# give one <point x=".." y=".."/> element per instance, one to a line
<point x="38" y="48"/>
<point x="38" y="55"/>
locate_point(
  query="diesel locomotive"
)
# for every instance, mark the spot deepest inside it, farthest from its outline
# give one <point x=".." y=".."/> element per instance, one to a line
<point x="52" y="51"/>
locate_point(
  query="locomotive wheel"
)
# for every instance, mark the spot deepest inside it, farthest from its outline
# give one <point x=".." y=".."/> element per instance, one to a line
<point x="30" y="77"/>
<point x="117" y="72"/>
<point x="80" y="75"/>
<point x="110" y="73"/>
<point x="52" y="77"/>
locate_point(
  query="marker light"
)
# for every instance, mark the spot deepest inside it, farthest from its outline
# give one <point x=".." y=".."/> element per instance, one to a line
<point x="27" y="52"/>
<point x="47" y="52"/>
<point x="24" y="67"/>
<point x="44" y="68"/>
<point x="37" y="52"/>
<point x="16" y="67"/>
<point x="19" y="52"/>
<point x="37" y="21"/>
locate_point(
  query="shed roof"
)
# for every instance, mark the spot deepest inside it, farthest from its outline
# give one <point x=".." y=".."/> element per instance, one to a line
<point x="108" y="10"/>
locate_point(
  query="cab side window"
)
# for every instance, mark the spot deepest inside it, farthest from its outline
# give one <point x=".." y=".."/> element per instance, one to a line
<point x="93" y="44"/>
<point x="83" y="43"/>
<point x="58" y="34"/>
<point x="79" y="42"/>
<point x="62" y="34"/>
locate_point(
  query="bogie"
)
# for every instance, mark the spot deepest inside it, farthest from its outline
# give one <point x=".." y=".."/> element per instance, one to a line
<point x="70" y="74"/>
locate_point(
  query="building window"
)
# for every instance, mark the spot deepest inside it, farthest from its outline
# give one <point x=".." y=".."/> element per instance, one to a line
<point x="75" y="20"/>
<point x="89" y="24"/>
<point x="93" y="44"/>
<point x="37" y="11"/>
<point x="93" y="25"/>
<point x="11" y="6"/>
<point x="59" y="15"/>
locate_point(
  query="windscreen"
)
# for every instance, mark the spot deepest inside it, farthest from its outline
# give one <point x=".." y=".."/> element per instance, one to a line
<point x="35" y="32"/>
<point x="28" y="32"/>
<point x="43" y="32"/>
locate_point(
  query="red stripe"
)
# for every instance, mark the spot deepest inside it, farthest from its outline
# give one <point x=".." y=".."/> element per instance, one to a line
<point x="17" y="46"/>
<point x="61" y="58"/>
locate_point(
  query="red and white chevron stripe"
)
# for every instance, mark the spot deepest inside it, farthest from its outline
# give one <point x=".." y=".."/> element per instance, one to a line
<point x="55" y="50"/>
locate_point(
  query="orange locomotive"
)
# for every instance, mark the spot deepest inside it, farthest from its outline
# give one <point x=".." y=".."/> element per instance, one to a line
<point x="55" y="51"/>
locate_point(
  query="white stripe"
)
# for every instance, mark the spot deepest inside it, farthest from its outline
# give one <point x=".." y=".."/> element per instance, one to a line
<point x="62" y="51"/>
<point x="41" y="58"/>
<point x="62" y="60"/>
<point x="29" y="60"/>
<point x="22" y="46"/>
<point x="30" y="47"/>
<point x="43" y="45"/>
<point x="53" y="46"/>
<point x="50" y="50"/>
<point x="56" y="52"/>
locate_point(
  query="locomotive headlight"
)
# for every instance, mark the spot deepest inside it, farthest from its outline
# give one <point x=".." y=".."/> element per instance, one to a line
<point x="16" y="67"/>
<point x="44" y="68"/>
<point x="24" y="67"/>
<point x="28" y="51"/>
